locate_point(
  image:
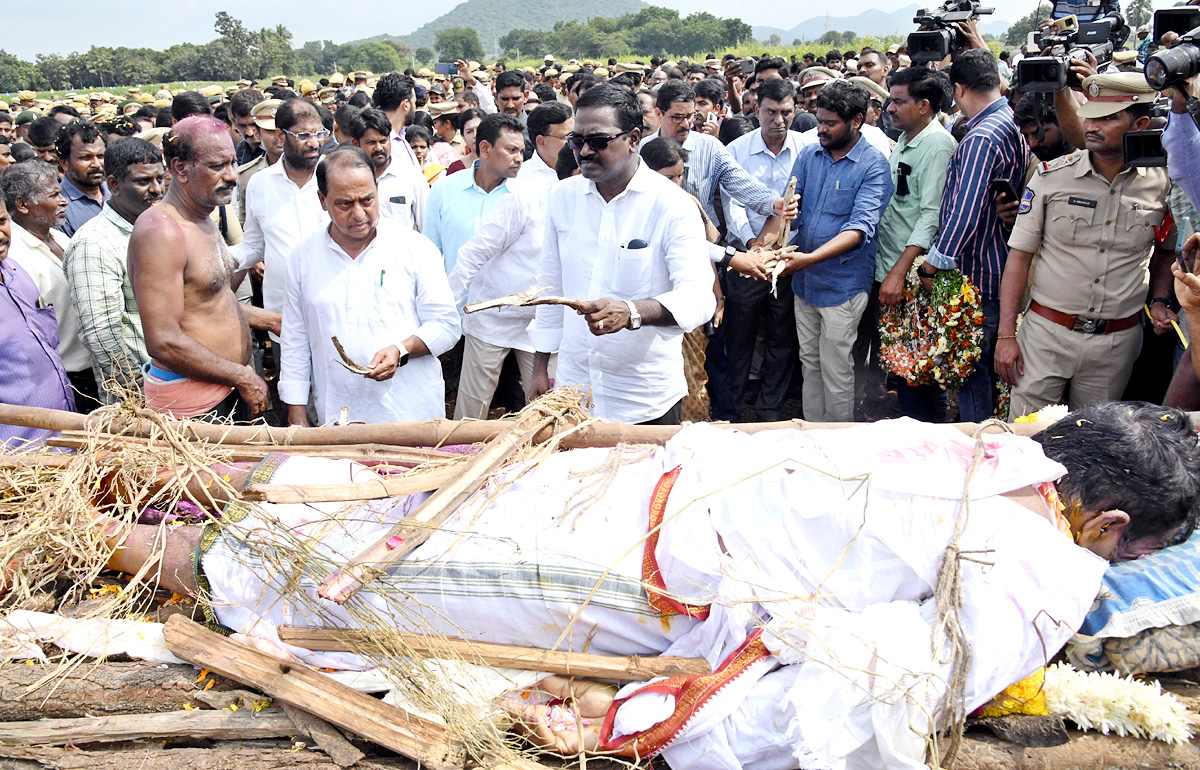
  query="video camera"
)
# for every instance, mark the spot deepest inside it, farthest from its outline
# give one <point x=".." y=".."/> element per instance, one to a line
<point x="1069" y="41"/>
<point x="938" y="37"/>
<point x="1181" y="61"/>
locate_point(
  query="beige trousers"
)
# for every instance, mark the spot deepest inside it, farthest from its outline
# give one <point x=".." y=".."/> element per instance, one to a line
<point x="826" y="339"/>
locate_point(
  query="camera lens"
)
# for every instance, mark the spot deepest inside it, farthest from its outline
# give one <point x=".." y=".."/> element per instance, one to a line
<point x="1176" y="65"/>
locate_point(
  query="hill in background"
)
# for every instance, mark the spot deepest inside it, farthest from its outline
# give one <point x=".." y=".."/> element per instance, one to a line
<point x="873" y="22"/>
<point x="494" y="18"/>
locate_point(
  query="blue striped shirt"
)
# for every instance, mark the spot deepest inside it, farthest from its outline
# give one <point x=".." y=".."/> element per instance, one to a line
<point x="31" y="373"/>
<point x="972" y="237"/>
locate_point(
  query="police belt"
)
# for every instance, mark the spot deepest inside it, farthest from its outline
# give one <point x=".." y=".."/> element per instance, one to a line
<point x="1085" y="325"/>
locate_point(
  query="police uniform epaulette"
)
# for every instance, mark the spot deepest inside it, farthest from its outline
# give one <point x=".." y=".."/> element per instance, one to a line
<point x="250" y="163"/>
<point x="1057" y="163"/>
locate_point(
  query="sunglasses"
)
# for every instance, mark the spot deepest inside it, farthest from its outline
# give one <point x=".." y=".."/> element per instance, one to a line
<point x="598" y="143"/>
<point x="304" y="136"/>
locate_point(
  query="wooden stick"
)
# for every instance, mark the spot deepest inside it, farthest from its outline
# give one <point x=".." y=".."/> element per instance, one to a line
<point x="785" y="227"/>
<point x="301" y="686"/>
<point x="527" y="298"/>
<point x="632" y="668"/>
<point x="349" y="363"/>
<point x="415" y="528"/>
<point x="231" y="725"/>
<point x="375" y="489"/>
<point x="423" y="434"/>
<point x="325" y="735"/>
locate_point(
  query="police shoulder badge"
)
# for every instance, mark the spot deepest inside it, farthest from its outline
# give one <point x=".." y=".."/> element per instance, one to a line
<point x="1026" y="202"/>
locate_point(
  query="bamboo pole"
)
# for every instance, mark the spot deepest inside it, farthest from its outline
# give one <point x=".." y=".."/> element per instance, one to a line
<point x="632" y="668"/>
<point x="430" y="433"/>
<point x="415" y="528"/>
<point x="374" y="489"/>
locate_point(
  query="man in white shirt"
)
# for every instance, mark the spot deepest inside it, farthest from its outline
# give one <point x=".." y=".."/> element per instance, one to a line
<point x="402" y="188"/>
<point x="751" y="307"/>
<point x="282" y="207"/>
<point x="632" y="243"/>
<point x="37" y="207"/>
<point x="548" y="127"/>
<point x="380" y="289"/>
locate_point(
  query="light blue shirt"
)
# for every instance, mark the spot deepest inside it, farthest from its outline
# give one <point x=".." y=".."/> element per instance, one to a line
<point x="751" y="153"/>
<point x="455" y="209"/>
<point x="1182" y="142"/>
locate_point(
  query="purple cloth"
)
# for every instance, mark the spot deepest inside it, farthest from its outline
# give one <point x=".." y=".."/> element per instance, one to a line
<point x="31" y="373"/>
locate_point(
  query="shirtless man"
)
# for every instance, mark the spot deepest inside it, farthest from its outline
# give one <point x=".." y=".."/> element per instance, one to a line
<point x="197" y="334"/>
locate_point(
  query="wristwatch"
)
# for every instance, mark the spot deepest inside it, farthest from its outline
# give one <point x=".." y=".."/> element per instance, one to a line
<point x="635" y="318"/>
<point x="730" y="253"/>
<point x="403" y="355"/>
<point x="924" y="273"/>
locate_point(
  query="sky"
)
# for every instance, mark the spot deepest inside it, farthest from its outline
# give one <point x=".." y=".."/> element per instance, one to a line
<point x="117" y="23"/>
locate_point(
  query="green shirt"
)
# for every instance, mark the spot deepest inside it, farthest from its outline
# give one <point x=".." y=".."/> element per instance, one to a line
<point x="912" y="219"/>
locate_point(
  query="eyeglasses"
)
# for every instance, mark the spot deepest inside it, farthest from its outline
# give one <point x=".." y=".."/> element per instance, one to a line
<point x="598" y="143"/>
<point x="679" y="118"/>
<point x="304" y="136"/>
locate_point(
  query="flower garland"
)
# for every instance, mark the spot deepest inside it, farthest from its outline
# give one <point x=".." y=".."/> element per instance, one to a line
<point x="933" y="337"/>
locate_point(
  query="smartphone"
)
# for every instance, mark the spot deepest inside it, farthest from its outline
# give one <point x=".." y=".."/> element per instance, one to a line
<point x="747" y="66"/>
<point x="444" y="68"/>
<point x="712" y="118"/>
<point x="1005" y="188"/>
<point x="1182" y="264"/>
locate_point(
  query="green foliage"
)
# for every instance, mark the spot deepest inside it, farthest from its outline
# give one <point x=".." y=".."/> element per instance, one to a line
<point x="424" y="54"/>
<point x="1138" y="13"/>
<point x="458" y="43"/>
<point x="1019" y="32"/>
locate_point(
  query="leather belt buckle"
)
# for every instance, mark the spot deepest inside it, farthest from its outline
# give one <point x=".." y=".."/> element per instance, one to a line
<point x="1089" y="325"/>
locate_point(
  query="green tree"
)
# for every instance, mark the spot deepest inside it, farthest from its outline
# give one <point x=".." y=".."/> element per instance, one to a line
<point x="15" y="73"/>
<point x="848" y="38"/>
<point x="424" y="54"/>
<point x="458" y="43"/>
<point x="832" y="37"/>
<point x="1020" y="30"/>
<point x="525" y="43"/>
<point x="379" y="57"/>
<point x="774" y="40"/>
<point x="237" y="44"/>
<point x="1138" y="13"/>
<point x="54" y="71"/>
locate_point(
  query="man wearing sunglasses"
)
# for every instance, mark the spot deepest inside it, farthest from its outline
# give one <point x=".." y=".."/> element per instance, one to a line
<point x="631" y="243"/>
<point x="282" y="208"/>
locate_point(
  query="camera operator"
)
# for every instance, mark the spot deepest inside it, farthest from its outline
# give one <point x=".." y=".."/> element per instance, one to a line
<point x="1181" y="139"/>
<point x="1094" y="220"/>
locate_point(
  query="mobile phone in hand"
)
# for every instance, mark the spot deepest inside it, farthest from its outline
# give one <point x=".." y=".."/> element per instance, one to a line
<point x="1004" y="187"/>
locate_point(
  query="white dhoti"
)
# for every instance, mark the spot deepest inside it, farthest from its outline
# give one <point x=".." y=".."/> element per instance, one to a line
<point x="827" y="541"/>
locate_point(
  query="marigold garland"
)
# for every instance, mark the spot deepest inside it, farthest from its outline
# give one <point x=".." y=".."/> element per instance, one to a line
<point x="933" y="337"/>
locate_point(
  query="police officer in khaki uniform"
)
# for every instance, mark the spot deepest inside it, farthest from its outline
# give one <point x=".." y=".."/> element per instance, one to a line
<point x="272" y="144"/>
<point x="1096" y="224"/>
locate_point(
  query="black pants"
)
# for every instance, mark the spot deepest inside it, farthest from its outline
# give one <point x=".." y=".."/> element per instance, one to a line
<point x="87" y="393"/>
<point x="869" y="379"/>
<point x="749" y="306"/>
<point x="232" y="407"/>
<point x="673" y="416"/>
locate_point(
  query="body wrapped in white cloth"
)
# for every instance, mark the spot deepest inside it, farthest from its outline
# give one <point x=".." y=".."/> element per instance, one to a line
<point x="820" y="548"/>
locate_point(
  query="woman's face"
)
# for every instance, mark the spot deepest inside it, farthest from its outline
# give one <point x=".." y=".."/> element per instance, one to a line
<point x="468" y="133"/>
<point x="674" y="173"/>
<point x="421" y="149"/>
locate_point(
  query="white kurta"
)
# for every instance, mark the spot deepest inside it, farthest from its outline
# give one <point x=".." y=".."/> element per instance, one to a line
<point x="394" y="289"/>
<point x="828" y="540"/>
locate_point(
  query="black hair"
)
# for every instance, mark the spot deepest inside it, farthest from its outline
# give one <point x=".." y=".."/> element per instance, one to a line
<point x="629" y="111"/>
<point x="469" y="96"/>
<point x="583" y="81"/>
<point x="545" y="92"/>
<point x="491" y="126"/>
<point x="674" y="91"/>
<point x="147" y="112"/>
<point x="776" y="89"/>
<point x="120" y="125"/>
<point x="464" y="116"/>
<point x="293" y="111"/>
<point x="342" y="156"/>
<point x="163" y="119"/>
<point x="877" y="52"/>
<point x="923" y="83"/>
<point x="359" y="99"/>
<point x="392" y="89"/>
<point x="241" y="102"/>
<point x="344" y="116"/>
<point x="326" y="116"/>
<point x="421" y="118"/>
<point x="662" y="152"/>
<point x="221" y="113"/>
<point x="1034" y="109"/>
<point x="1133" y="456"/>
<point x="770" y="63"/>
<point x="509" y="79"/>
<point x="63" y="109"/>
<point x="5" y="116"/>
<point x="976" y="70"/>
<point x="418" y="132"/>
<point x="711" y="89"/>
<point x="732" y="127"/>
<point x="44" y="131"/>
<point x="128" y="151"/>
<point x="546" y="115"/>
<point x="86" y="131"/>
<point x="189" y="103"/>
<point x="624" y="80"/>
<point x="22" y="152"/>
<point x="833" y="54"/>
<point x="845" y="98"/>
<point x="366" y="120"/>
<point x="566" y="163"/>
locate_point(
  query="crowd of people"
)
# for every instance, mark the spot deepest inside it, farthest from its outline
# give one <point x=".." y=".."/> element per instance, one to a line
<point x="304" y="251"/>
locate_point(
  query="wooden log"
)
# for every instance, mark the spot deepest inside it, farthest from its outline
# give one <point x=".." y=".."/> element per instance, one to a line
<point x="25" y="461"/>
<point x="582" y="664"/>
<point x="229" y="725"/>
<point x="240" y="755"/>
<point x="325" y="735"/>
<point x="416" y="527"/>
<point x="94" y="690"/>
<point x="297" y="684"/>
<point x="374" y="489"/>
<point x="429" y="433"/>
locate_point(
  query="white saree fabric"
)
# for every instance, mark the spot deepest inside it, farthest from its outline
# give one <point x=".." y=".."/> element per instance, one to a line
<point x="830" y="540"/>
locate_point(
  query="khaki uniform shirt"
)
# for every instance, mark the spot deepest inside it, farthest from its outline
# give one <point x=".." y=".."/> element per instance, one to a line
<point x="1095" y="237"/>
<point x="244" y="172"/>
